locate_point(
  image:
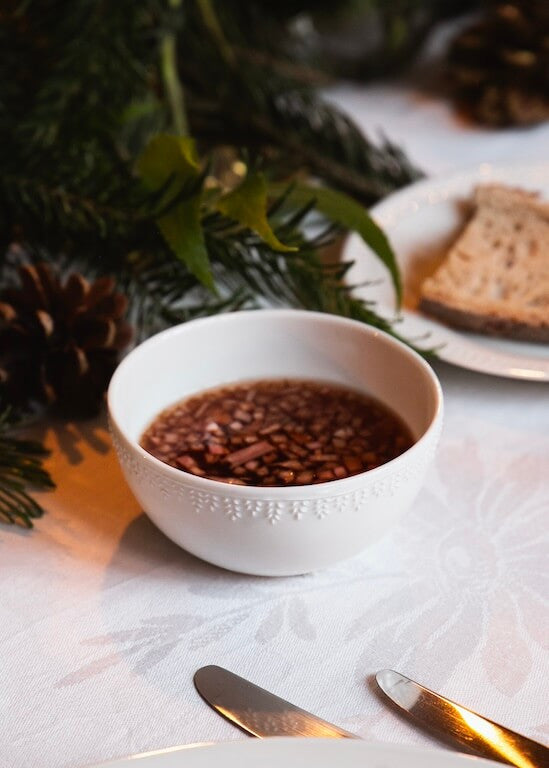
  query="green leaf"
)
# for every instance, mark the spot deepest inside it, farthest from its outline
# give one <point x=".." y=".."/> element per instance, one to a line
<point x="348" y="213"/>
<point x="247" y="205"/>
<point x="175" y="158"/>
<point x="182" y="230"/>
<point x="166" y="156"/>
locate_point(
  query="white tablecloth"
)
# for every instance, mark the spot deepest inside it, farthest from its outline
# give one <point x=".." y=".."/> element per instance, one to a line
<point x="103" y="620"/>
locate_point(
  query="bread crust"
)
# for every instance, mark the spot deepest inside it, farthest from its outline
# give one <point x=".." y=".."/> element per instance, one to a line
<point x="491" y="325"/>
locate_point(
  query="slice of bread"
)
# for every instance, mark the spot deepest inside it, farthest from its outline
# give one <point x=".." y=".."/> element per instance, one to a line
<point x="495" y="278"/>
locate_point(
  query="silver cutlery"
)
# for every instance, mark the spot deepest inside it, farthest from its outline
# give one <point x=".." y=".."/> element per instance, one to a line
<point x="264" y="714"/>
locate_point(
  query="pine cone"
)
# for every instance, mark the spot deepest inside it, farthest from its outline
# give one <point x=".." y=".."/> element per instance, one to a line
<point x="59" y="343"/>
<point x="499" y="67"/>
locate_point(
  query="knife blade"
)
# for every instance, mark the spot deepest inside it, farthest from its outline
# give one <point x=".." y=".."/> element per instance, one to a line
<point x="461" y="725"/>
<point x="257" y="711"/>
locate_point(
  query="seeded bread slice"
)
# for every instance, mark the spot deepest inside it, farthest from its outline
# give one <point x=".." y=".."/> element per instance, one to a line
<point x="495" y="278"/>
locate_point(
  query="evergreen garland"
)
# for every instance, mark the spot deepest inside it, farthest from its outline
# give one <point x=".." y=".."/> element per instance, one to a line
<point x="85" y="86"/>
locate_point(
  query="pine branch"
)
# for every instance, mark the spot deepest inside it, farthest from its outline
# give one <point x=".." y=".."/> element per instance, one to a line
<point x="241" y="261"/>
<point x="37" y="206"/>
<point x="248" y="273"/>
<point x="20" y="467"/>
<point x="277" y="117"/>
<point x="91" y="93"/>
<point x="296" y="133"/>
<point x="330" y="146"/>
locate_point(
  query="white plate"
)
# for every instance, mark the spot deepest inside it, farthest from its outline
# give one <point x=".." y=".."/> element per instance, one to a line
<point x="421" y="221"/>
<point x="300" y="753"/>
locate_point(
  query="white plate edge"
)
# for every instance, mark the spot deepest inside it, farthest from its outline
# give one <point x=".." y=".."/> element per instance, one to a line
<point x="381" y="750"/>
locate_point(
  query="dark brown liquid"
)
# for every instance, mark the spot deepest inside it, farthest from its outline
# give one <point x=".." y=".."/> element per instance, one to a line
<point x="277" y="433"/>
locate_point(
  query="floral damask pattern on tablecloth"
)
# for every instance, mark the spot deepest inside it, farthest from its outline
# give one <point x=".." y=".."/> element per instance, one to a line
<point x="469" y="548"/>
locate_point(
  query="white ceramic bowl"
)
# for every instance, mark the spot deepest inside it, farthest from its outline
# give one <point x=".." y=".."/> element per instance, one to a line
<point x="273" y="531"/>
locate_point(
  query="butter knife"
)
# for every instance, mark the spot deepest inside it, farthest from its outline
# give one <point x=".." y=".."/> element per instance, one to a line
<point x="257" y="711"/>
<point x="459" y="725"/>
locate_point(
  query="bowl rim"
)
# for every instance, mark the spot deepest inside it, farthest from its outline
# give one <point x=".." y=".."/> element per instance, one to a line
<point x="339" y="486"/>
